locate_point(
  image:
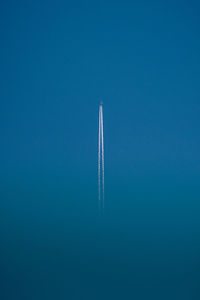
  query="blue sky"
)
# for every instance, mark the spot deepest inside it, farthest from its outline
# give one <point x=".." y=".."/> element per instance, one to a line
<point x="57" y="61"/>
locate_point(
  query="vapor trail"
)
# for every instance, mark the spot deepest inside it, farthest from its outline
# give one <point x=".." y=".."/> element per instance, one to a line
<point x="102" y="145"/>
<point x="101" y="161"/>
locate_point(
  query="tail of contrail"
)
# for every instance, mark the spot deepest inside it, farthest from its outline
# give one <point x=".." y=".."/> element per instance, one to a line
<point x="101" y="161"/>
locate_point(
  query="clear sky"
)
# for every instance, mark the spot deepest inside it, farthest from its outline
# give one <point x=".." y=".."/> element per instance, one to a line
<point x="58" y="59"/>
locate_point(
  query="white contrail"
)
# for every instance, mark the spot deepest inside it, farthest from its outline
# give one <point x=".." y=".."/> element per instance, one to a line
<point x="101" y="160"/>
<point x="102" y="149"/>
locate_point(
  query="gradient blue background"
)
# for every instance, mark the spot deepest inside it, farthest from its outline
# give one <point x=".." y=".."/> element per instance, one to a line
<point x="57" y="61"/>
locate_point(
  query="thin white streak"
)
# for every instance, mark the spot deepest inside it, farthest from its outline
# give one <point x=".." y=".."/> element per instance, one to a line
<point x="102" y="153"/>
<point x="99" y="160"/>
